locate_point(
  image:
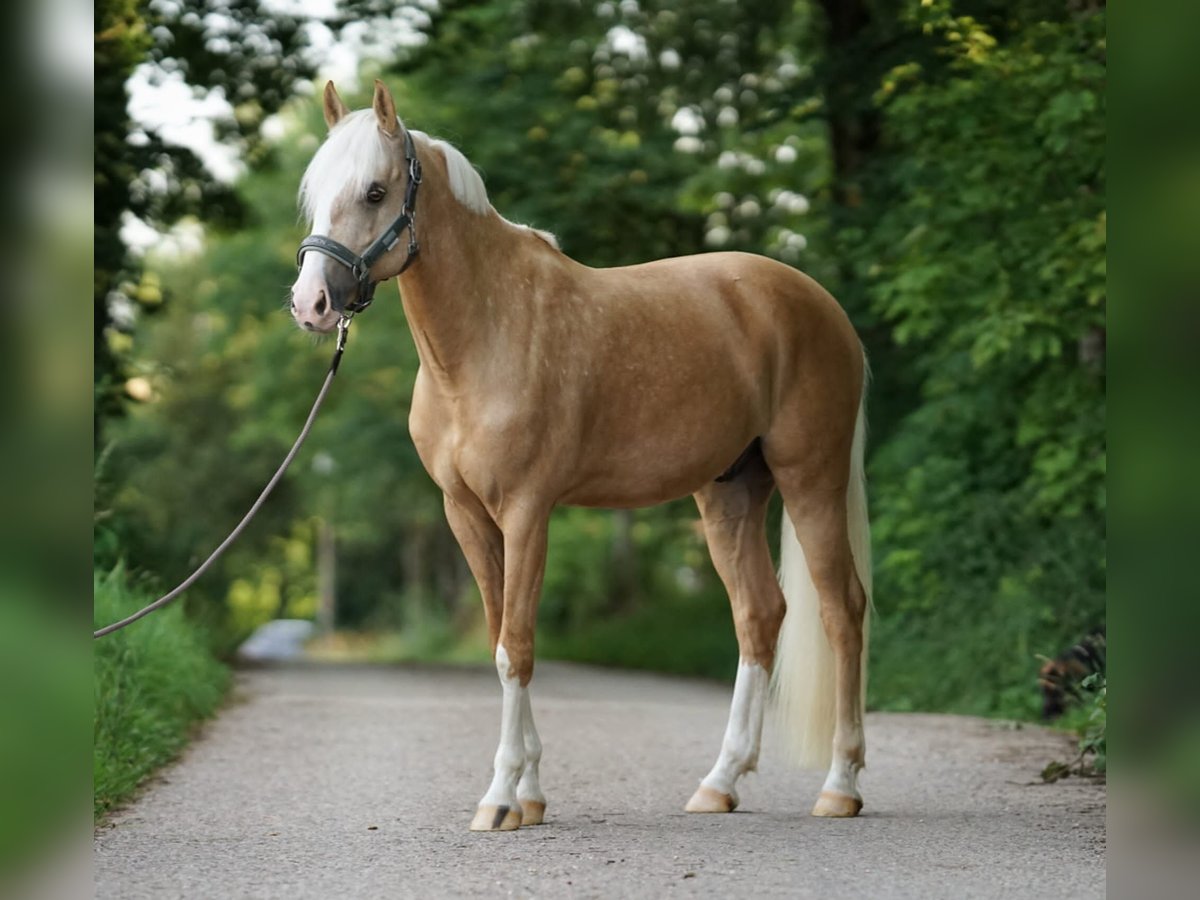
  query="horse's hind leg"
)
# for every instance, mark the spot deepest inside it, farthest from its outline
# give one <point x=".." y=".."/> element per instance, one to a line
<point x="734" y="515"/>
<point x="821" y="525"/>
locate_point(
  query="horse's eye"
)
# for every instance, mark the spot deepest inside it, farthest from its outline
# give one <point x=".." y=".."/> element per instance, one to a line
<point x="376" y="193"/>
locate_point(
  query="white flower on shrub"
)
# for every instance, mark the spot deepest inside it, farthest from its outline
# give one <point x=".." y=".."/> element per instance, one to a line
<point x="687" y="120"/>
<point x="748" y="209"/>
<point x="717" y="237"/>
<point x="790" y="201"/>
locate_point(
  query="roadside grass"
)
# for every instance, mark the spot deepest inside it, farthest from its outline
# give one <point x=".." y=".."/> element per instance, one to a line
<point x="152" y="683"/>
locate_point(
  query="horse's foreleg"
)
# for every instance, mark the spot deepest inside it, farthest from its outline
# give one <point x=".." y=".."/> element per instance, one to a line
<point x="482" y="544"/>
<point x="516" y="764"/>
<point x="529" y="788"/>
<point x="734" y="515"/>
<point x="499" y="809"/>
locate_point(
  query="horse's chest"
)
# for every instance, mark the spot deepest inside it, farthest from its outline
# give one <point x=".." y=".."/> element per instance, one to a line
<point x="467" y="446"/>
<point x="433" y="426"/>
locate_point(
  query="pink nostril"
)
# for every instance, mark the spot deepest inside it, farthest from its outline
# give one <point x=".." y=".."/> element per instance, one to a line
<point x="320" y="306"/>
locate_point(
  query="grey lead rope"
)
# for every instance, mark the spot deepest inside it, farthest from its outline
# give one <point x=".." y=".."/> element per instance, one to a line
<point x="343" y="328"/>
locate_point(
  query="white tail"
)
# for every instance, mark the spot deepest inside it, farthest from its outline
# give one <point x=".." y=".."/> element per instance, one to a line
<point x="803" y="680"/>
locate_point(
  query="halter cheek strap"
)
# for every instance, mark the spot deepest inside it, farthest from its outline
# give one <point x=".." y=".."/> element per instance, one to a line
<point x="360" y="266"/>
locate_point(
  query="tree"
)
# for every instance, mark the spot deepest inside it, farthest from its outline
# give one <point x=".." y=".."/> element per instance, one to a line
<point x="986" y="258"/>
<point x="254" y="56"/>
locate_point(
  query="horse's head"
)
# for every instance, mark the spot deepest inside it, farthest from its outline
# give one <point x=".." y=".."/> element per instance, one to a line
<point x="353" y="190"/>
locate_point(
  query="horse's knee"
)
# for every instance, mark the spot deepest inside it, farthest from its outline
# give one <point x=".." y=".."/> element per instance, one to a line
<point x="514" y="659"/>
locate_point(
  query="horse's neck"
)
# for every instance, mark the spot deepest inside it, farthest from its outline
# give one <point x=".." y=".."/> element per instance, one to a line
<point x="470" y="266"/>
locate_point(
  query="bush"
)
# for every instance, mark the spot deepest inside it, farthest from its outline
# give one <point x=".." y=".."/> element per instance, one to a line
<point x="1093" y="733"/>
<point x="152" y="682"/>
<point x="1090" y="722"/>
<point x="673" y="635"/>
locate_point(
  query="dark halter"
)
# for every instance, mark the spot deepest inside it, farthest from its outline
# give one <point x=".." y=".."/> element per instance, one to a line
<point x="360" y="266"/>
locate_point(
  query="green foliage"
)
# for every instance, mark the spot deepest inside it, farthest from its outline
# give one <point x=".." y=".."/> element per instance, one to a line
<point x="152" y="683"/>
<point x="1090" y="722"/>
<point x="669" y="634"/>
<point x="579" y="548"/>
<point x="251" y="52"/>
<point x="986" y="256"/>
<point x="579" y="131"/>
<point x="1093" y="736"/>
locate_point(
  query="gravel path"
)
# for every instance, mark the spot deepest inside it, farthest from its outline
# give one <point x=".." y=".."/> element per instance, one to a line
<point x="359" y="782"/>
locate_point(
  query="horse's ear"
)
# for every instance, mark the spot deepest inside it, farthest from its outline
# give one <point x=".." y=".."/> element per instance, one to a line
<point x="385" y="109"/>
<point x="335" y="109"/>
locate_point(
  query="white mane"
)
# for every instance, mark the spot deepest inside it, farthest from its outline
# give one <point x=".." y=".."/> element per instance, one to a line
<point x="355" y="154"/>
<point x="465" y="182"/>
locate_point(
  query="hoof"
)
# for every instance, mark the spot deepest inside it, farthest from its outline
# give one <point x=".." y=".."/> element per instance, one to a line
<point x="707" y="800"/>
<point x="835" y="805"/>
<point x="533" y="812"/>
<point x="497" y="818"/>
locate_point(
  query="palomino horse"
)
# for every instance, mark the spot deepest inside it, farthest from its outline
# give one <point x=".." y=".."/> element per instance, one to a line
<point x="545" y="382"/>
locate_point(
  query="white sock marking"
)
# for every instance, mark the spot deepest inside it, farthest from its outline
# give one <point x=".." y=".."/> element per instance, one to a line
<point x="529" y="788"/>
<point x="842" y="777"/>
<point x="743" y="735"/>
<point x="510" y="755"/>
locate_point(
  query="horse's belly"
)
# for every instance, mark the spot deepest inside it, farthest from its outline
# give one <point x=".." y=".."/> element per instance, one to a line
<point x="647" y="474"/>
<point x="629" y="495"/>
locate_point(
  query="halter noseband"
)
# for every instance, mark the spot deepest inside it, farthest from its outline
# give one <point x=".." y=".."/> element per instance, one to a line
<point x="360" y="266"/>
